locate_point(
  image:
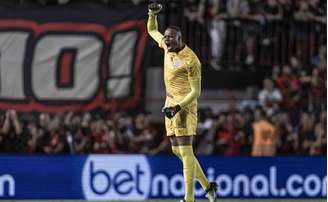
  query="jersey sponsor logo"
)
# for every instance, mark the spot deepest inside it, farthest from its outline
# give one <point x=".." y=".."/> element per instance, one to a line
<point x="70" y="66"/>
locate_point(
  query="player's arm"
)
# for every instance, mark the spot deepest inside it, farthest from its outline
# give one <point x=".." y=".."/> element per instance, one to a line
<point x="193" y="94"/>
<point x="189" y="98"/>
<point x="17" y="125"/>
<point x="152" y="25"/>
<point x="194" y="78"/>
<point x="6" y="124"/>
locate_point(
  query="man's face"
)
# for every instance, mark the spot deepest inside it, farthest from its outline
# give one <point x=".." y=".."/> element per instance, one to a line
<point x="268" y="84"/>
<point x="172" y="39"/>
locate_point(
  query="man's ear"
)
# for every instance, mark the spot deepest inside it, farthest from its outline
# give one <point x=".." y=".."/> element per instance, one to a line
<point x="179" y="37"/>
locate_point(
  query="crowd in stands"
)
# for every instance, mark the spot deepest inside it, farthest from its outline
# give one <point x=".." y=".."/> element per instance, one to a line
<point x="229" y="133"/>
<point x="254" y="32"/>
<point x="77" y="133"/>
<point x="291" y="106"/>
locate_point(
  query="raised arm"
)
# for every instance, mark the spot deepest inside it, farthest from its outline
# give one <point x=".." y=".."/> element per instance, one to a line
<point x="17" y="125"/>
<point x="6" y="124"/>
<point x="152" y="25"/>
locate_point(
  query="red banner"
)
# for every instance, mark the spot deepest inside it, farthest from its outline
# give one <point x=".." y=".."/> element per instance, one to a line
<point x="76" y="66"/>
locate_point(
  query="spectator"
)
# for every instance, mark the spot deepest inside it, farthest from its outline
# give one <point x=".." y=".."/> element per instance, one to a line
<point x="296" y="66"/>
<point x="255" y="27"/>
<point x="272" y="14"/>
<point x="264" y="135"/>
<point x="287" y="138"/>
<point x="318" y="90"/>
<point x="44" y="121"/>
<point x="194" y="15"/>
<point x="227" y="143"/>
<point x="12" y="129"/>
<point x="319" y="145"/>
<point x="55" y="142"/>
<point x="241" y="137"/>
<point x="318" y="11"/>
<point x="35" y="143"/>
<point x="123" y="134"/>
<point x="302" y="15"/>
<point x="156" y="143"/>
<point x="205" y="132"/>
<point x="284" y="80"/>
<point x="303" y="12"/>
<point x="289" y="85"/>
<point x="247" y="129"/>
<point x="305" y="130"/>
<point x="81" y="141"/>
<point x="145" y="134"/>
<point x="238" y="10"/>
<point x="163" y="147"/>
<point x="320" y="57"/>
<point x="220" y="132"/>
<point x="100" y="137"/>
<point x="5" y="121"/>
<point x="82" y="136"/>
<point x="287" y="9"/>
<point x="269" y="97"/>
<point x="273" y="10"/>
<point x="216" y="15"/>
<point x="194" y="10"/>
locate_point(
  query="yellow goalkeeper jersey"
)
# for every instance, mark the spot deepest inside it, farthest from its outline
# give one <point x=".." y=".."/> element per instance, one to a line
<point x="179" y="69"/>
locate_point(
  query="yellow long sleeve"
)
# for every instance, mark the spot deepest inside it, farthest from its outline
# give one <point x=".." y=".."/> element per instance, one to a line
<point x="194" y="93"/>
<point x="152" y="27"/>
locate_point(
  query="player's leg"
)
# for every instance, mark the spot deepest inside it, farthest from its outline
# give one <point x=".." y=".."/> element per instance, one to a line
<point x="188" y="160"/>
<point x="185" y="145"/>
<point x="184" y="156"/>
<point x="191" y="127"/>
<point x="183" y="126"/>
<point x="175" y="146"/>
<point x="176" y="151"/>
<point x="211" y="191"/>
<point x="199" y="174"/>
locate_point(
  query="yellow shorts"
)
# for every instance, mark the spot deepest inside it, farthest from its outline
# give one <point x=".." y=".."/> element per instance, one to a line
<point x="184" y="123"/>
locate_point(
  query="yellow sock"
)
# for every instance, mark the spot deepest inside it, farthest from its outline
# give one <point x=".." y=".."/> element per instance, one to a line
<point x="199" y="174"/>
<point x="189" y="165"/>
<point x="176" y="151"/>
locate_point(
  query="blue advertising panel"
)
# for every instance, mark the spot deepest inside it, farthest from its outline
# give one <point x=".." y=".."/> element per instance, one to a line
<point x="139" y="177"/>
<point x="40" y="177"/>
<point x="247" y="177"/>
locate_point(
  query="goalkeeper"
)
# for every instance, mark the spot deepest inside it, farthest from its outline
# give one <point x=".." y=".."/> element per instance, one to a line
<point x="182" y="78"/>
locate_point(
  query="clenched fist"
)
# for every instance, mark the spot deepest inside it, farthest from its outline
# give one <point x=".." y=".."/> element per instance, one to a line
<point x="154" y="8"/>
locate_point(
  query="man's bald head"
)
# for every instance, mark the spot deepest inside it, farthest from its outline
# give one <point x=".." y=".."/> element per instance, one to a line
<point x="173" y="38"/>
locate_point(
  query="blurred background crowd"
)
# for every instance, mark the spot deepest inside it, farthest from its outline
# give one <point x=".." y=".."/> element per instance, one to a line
<point x="229" y="132"/>
<point x="286" y="38"/>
